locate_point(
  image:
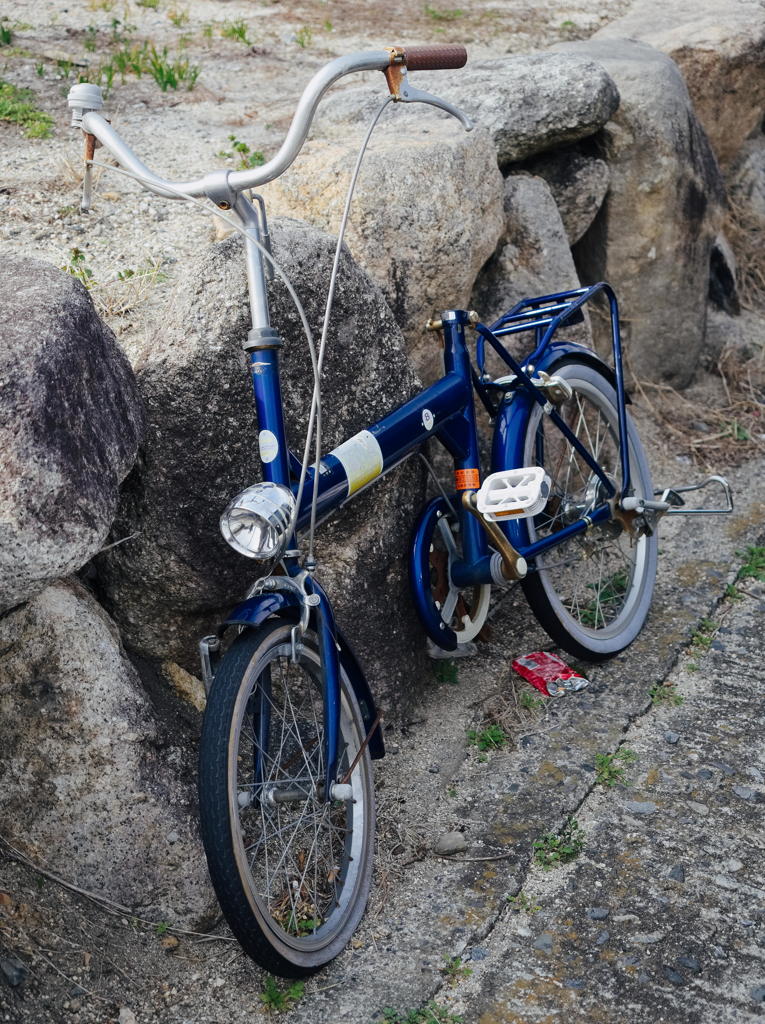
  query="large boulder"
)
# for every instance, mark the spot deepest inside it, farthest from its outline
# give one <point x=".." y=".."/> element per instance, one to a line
<point x="529" y="104"/>
<point x="578" y="183"/>
<point x="426" y="216"/>
<point x="174" y="580"/>
<point x="746" y="184"/>
<point x="533" y="257"/>
<point x="90" y="784"/>
<point x="69" y="430"/>
<point x="720" y="49"/>
<point x="654" y="235"/>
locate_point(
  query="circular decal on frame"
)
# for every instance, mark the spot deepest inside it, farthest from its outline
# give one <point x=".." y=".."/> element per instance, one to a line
<point x="427" y="419"/>
<point x="268" y="445"/>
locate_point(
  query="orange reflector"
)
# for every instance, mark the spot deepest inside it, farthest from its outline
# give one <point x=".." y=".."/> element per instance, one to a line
<point x="466" y="480"/>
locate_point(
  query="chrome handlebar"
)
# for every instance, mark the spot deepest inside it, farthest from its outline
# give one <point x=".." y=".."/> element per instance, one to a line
<point x="223" y="186"/>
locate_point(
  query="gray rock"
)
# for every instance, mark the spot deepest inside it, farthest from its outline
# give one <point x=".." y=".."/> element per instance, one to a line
<point x="677" y="873"/>
<point x="449" y="843"/>
<point x="578" y="184"/>
<point x="598" y="913"/>
<point x="425" y="217"/>
<point x="602" y="937"/>
<point x="177" y="578"/>
<point x="720" y="49"/>
<point x="671" y="737"/>
<point x="653" y="237"/>
<point x="690" y="963"/>
<point x="78" y="739"/>
<point x="69" y="429"/>
<point x="746" y="183"/>
<point x="544" y="942"/>
<point x="13" y="971"/>
<point x="528" y="103"/>
<point x="673" y="976"/>
<point x="744" y="792"/>
<point x="533" y="257"/>
<point x="758" y="994"/>
<point x="647" y="938"/>
<point x="640" y="806"/>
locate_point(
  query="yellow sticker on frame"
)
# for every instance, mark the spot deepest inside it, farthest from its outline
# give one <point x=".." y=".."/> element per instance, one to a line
<point x="362" y="459"/>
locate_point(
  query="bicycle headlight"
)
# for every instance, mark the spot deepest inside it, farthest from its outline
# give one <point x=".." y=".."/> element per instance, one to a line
<point x="256" y="522"/>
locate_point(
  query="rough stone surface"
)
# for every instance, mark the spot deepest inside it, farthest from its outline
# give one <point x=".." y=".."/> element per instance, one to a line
<point x="173" y="582"/>
<point x="746" y="183"/>
<point x="578" y="184"/>
<point x="533" y="257"/>
<point x="69" y="428"/>
<point x="90" y="784"/>
<point x="449" y="843"/>
<point x="528" y="103"/>
<point x="424" y="220"/>
<point x="653" y="237"/>
<point x="720" y="49"/>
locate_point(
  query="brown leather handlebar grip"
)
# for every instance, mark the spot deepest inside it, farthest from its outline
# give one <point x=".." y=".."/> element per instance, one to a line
<point x="434" y="58"/>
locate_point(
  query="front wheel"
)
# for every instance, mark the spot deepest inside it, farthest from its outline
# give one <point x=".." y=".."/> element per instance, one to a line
<point x="592" y="592"/>
<point x="291" y="870"/>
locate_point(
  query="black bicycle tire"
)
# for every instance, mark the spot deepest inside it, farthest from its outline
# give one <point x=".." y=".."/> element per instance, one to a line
<point x="534" y="585"/>
<point x="215" y="821"/>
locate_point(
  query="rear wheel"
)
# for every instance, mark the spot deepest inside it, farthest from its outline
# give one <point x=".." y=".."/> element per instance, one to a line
<point x="592" y="592"/>
<point x="291" y="870"/>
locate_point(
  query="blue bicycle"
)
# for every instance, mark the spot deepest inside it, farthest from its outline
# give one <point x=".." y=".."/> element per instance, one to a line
<point x="568" y="509"/>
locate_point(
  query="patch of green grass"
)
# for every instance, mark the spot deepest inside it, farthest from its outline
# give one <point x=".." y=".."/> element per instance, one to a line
<point x="732" y="594"/>
<point x="703" y="635"/>
<point x="493" y="737"/>
<point x="236" y="30"/>
<point x="17" y="107"/>
<point x="6" y="35"/>
<point x="162" y="928"/>
<point x="433" y="1013"/>
<point x="446" y="671"/>
<point x="303" y="36"/>
<point x="665" y="693"/>
<point x="754" y="564"/>
<point x="692" y="666"/>
<point x="531" y="703"/>
<point x="736" y="431"/>
<point x="609" y="768"/>
<point x="151" y="4"/>
<point x="452" y="792"/>
<point x="77" y="267"/>
<point x="442" y="14"/>
<point x="553" y="849"/>
<point x="522" y="904"/>
<point x="169" y="72"/>
<point x="277" y="998"/>
<point x="607" y="592"/>
<point x="454" y="970"/>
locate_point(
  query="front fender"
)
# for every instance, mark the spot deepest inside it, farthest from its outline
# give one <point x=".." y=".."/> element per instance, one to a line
<point x="255" y="610"/>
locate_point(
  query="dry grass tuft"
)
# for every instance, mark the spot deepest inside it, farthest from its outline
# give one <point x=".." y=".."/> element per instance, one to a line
<point x="748" y="243"/>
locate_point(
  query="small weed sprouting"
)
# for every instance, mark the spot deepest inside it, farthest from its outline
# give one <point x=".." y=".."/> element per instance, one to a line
<point x="433" y="1013"/>
<point x="692" y="666"/>
<point x="493" y="737"/>
<point x="754" y="564"/>
<point x="454" y="970"/>
<point x="247" y="157"/>
<point x="277" y="999"/>
<point x="609" y="768"/>
<point x="90" y="42"/>
<point x="446" y="671"/>
<point x="162" y="928"/>
<point x="236" y="30"/>
<point x="303" y="36"/>
<point x="735" y="430"/>
<point x="521" y="904"/>
<point x="40" y="69"/>
<point x="6" y="35"/>
<point x="452" y="792"/>
<point x="531" y="703"/>
<point x="665" y="693"/>
<point x="178" y="17"/>
<point x="328" y="26"/>
<point x="151" y="4"/>
<point x="77" y="267"/>
<point x="703" y="634"/>
<point x="553" y="849"/>
<point x="169" y="73"/>
<point x="16" y="106"/>
<point x="732" y="594"/>
<point x="443" y="15"/>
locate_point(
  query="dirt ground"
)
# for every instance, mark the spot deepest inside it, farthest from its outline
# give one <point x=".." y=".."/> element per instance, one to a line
<point x="72" y="960"/>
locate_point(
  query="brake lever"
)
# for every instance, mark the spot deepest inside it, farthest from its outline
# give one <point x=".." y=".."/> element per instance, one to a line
<point x="407" y="93"/>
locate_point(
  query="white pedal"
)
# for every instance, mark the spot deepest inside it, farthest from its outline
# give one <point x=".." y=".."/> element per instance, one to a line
<point x="514" y="493"/>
